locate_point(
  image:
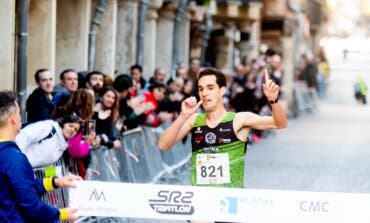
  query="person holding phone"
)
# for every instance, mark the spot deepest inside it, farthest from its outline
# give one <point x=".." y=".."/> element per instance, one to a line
<point x="91" y="126"/>
<point x="78" y="152"/>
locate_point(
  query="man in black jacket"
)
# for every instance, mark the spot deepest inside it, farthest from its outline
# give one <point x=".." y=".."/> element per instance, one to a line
<point x="39" y="103"/>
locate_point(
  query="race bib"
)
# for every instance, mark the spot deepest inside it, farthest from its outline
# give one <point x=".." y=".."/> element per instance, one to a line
<point x="213" y="168"/>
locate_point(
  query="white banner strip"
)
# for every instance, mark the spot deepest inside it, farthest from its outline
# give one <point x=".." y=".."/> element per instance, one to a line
<point x="95" y="198"/>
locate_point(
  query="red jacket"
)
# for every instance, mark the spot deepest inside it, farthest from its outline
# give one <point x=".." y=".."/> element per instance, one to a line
<point x="151" y="118"/>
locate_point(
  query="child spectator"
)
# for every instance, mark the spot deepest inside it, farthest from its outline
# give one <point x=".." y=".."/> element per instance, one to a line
<point x="155" y="95"/>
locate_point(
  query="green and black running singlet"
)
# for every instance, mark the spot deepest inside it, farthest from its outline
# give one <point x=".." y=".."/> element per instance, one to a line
<point x="218" y="155"/>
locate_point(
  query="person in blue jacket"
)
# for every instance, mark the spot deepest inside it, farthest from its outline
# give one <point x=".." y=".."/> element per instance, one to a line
<point x="20" y="193"/>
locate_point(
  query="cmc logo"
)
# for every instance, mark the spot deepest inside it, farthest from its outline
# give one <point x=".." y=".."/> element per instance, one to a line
<point x="314" y="206"/>
<point x="173" y="202"/>
<point x="97" y="196"/>
<point x="229" y="205"/>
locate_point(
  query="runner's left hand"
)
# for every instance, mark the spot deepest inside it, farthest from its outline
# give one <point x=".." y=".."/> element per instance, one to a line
<point x="270" y="89"/>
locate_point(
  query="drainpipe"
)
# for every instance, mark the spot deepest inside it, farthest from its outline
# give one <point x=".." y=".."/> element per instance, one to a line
<point x="94" y="28"/>
<point x="22" y="26"/>
<point x="291" y="99"/>
<point x="176" y="32"/>
<point x="141" y="31"/>
<point x="299" y="31"/>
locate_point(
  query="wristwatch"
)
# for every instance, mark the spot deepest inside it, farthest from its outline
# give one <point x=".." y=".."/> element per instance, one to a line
<point x="274" y="102"/>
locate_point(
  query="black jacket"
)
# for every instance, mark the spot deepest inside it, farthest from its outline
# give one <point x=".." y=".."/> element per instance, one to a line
<point x="38" y="106"/>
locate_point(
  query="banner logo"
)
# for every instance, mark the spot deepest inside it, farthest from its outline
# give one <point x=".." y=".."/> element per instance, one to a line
<point x="173" y="202"/>
<point x="229" y="205"/>
<point x="97" y="196"/>
<point x="314" y="206"/>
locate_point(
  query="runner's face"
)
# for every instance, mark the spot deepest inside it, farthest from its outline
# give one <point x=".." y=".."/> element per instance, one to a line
<point x="209" y="92"/>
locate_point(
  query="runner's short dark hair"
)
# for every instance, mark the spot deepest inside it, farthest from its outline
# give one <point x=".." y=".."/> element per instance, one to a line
<point x="220" y="77"/>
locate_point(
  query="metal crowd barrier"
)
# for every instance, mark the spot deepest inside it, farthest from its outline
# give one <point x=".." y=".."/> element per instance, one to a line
<point x="133" y="158"/>
<point x="175" y="160"/>
<point x="59" y="197"/>
<point x="179" y="154"/>
<point x="103" y="165"/>
<point x="138" y="161"/>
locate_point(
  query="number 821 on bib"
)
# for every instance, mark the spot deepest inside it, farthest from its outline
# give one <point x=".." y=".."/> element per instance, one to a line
<point x="213" y="168"/>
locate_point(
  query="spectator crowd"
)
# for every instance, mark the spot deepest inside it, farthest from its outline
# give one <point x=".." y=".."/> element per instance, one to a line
<point x="89" y="109"/>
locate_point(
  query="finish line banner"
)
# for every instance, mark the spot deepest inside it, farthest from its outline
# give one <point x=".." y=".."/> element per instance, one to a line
<point x="95" y="198"/>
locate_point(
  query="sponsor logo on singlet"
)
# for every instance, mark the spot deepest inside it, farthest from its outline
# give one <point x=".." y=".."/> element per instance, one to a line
<point x="224" y="130"/>
<point x="210" y="138"/>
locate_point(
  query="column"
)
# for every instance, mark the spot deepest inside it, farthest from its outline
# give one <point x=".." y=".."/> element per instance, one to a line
<point x="184" y="40"/>
<point x="7" y="24"/>
<point x="73" y="23"/>
<point x="165" y="27"/>
<point x="42" y="38"/>
<point x="244" y="45"/>
<point x="255" y="40"/>
<point x="106" y="39"/>
<point x="254" y="12"/>
<point x="250" y="39"/>
<point x="150" y="38"/>
<point x="225" y="47"/>
<point x="127" y="18"/>
<point x="232" y="8"/>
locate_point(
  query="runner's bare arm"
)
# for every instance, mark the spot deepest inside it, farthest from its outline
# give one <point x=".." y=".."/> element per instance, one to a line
<point x="278" y="118"/>
<point x="251" y="120"/>
<point x="181" y="126"/>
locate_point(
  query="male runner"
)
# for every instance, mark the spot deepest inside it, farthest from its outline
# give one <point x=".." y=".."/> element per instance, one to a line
<point x="219" y="137"/>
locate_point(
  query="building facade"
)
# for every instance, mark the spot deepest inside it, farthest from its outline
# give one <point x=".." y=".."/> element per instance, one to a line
<point x="153" y="33"/>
